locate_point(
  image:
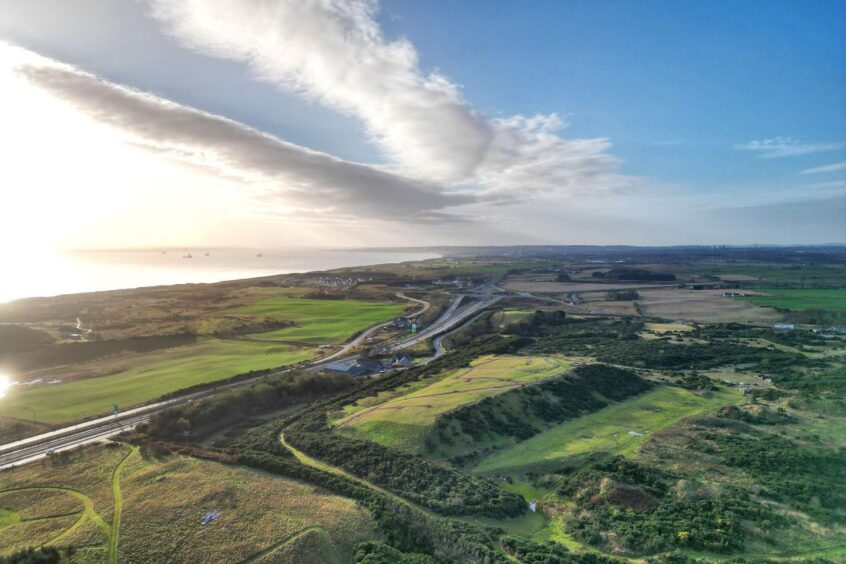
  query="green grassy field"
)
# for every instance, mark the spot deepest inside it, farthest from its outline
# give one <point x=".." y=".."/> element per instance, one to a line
<point x="320" y="321"/>
<point x="403" y="420"/>
<point x="826" y="276"/>
<point x="801" y="299"/>
<point x="162" y="501"/>
<point x="209" y="360"/>
<point x="175" y="369"/>
<point x="616" y="429"/>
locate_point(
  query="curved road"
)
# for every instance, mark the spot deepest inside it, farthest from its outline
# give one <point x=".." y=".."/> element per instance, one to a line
<point x="34" y="448"/>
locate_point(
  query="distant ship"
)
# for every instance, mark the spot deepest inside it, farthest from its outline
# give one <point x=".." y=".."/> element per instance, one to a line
<point x="187" y="256"/>
<point x="259" y="255"/>
<point x="207" y="254"/>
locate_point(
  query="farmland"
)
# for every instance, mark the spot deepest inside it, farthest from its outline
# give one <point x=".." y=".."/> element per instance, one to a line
<point x="402" y="421"/>
<point x="800" y="299"/>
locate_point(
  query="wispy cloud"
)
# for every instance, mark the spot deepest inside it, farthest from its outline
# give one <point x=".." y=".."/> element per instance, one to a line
<point x="777" y="147"/>
<point x="836" y="167"/>
<point x="335" y="53"/>
<point x="313" y="183"/>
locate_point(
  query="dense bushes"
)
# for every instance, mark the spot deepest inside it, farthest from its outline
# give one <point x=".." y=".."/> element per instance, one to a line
<point x="666" y="356"/>
<point x="577" y="335"/>
<point x="585" y="389"/>
<point x="16" y="338"/>
<point x="528" y="551"/>
<point x="634" y="275"/>
<point x="43" y="555"/>
<point x="405" y="528"/>
<point x="646" y="511"/>
<point x="812" y="480"/>
<point x="206" y="416"/>
<point x="375" y="552"/>
<point x="73" y="353"/>
<point x="444" y="490"/>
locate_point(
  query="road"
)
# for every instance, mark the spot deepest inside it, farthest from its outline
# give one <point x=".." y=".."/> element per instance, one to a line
<point x="438" y="342"/>
<point x="368" y="332"/>
<point x="34" y="448"/>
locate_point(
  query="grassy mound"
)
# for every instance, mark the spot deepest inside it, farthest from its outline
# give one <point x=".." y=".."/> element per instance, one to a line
<point x="402" y="418"/>
<point x="619" y="428"/>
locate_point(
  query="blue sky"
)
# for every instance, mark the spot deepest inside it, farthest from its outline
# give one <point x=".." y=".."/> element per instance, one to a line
<point x="711" y="110"/>
<point x="674" y="84"/>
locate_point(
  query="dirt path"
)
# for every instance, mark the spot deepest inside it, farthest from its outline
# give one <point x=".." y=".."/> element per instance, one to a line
<point x="314" y="463"/>
<point x="288" y="540"/>
<point x="87" y="512"/>
<point x="117" y="507"/>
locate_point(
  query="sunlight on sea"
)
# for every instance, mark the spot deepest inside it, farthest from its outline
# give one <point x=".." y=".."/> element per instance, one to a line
<point x="51" y="273"/>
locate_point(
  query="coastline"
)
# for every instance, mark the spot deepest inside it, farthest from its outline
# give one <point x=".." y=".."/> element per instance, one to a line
<point x="83" y="272"/>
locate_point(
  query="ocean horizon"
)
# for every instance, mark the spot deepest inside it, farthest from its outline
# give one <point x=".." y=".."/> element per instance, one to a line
<point x="77" y="271"/>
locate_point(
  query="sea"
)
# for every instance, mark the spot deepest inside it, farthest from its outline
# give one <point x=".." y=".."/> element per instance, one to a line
<point x="69" y="272"/>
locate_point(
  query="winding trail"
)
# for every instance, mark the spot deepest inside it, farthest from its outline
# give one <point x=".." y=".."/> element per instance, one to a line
<point x="111" y="530"/>
<point x="87" y="512"/>
<point x="288" y="540"/>
<point x="314" y="463"/>
<point x="117" y="496"/>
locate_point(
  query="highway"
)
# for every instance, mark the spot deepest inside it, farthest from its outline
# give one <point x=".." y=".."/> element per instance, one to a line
<point x="34" y="448"/>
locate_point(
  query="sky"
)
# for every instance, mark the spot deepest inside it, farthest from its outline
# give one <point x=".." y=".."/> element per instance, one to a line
<point x="137" y="123"/>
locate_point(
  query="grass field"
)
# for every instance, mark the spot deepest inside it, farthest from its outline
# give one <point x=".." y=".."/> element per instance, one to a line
<point x="755" y="276"/>
<point x="402" y="420"/>
<point x="320" y="321"/>
<point x="801" y="299"/>
<point x="207" y="361"/>
<point x="138" y="379"/>
<point x="616" y="429"/>
<point x="162" y="501"/>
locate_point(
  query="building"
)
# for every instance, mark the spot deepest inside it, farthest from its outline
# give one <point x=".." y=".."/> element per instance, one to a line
<point x="401" y="360"/>
<point x="350" y="369"/>
<point x="371" y="364"/>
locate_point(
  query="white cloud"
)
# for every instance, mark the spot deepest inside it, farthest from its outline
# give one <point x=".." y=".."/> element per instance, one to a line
<point x="335" y="53"/>
<point x="777" y="147"/>
<point x="836" y="167"/>
<point x="289" y="176"/>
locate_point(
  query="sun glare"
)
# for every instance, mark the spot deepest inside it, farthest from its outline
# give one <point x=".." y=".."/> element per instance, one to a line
<point x="5" y="384"/>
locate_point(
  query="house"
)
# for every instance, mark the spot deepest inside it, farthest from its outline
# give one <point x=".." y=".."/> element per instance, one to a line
<point x="401" y="360"/>
<point x="370" y="364"/>
<point x="400" y="323"/>
<point x="789" y="326"/>
<point x="354" y="370"/>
